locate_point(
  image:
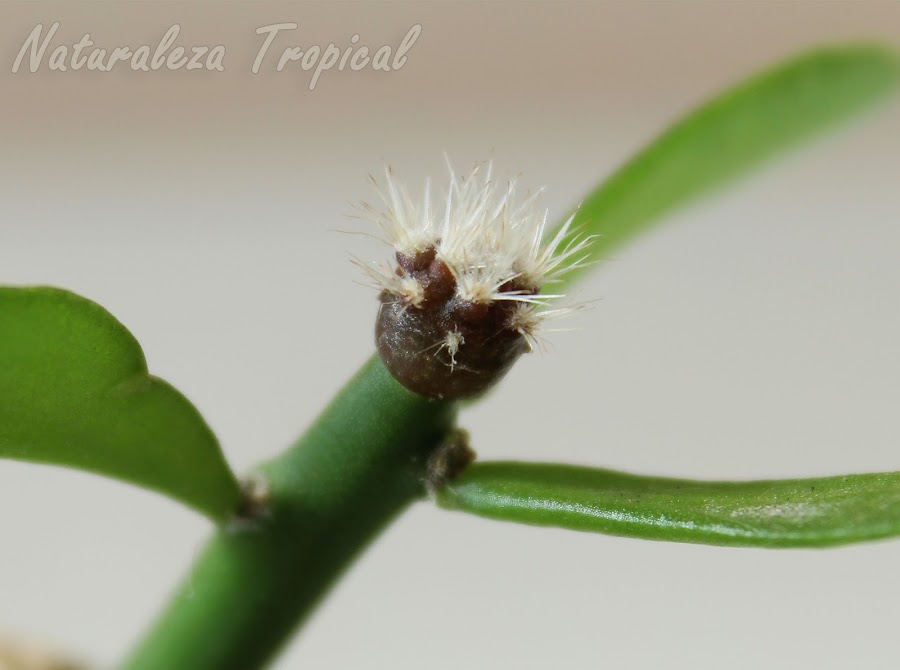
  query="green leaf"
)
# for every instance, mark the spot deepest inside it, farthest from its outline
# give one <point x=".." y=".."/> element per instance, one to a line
<point x="75" y="391"/>
<point x="732" y="133"/>
<point x="780" y="513"/>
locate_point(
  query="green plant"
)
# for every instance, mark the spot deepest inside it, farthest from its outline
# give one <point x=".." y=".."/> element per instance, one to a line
<point x="75" y="391"/>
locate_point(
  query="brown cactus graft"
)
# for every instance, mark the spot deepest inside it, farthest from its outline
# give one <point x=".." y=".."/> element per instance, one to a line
<point x="463" y="300"/>
<point x="446" y="347"/>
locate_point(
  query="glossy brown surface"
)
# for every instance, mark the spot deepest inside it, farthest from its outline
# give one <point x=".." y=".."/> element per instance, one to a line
<point x="415" y="342"/>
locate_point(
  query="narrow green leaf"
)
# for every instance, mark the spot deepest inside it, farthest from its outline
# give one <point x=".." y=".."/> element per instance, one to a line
<point x="75" y="391"/>
<point x="778" y="513"/>
<point x="732" y="133"/>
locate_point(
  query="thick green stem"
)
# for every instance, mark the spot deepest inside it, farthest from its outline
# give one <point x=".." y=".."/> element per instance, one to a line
<point x="359" y="465"/>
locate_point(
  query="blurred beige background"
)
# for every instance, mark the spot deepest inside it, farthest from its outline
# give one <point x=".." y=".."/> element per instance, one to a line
<point x="754" y="335"/>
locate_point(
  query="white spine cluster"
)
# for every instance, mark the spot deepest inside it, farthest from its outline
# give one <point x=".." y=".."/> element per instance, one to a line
<point x="486" y="236"/>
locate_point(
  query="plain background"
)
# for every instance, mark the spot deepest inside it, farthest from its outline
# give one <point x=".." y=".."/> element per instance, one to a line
<point x="754" y="335"/>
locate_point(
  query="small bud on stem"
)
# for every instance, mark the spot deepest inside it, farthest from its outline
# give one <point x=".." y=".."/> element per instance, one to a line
<point x="464" y="299"/>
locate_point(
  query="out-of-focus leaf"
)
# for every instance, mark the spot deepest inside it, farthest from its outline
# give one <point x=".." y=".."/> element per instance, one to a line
<point x="732" y="133"/>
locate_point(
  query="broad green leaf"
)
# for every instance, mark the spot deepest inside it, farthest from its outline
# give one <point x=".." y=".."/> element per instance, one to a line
<point x="778" y="513"/>
<point x="732" y="133"/>
<point x="75" y="391"/>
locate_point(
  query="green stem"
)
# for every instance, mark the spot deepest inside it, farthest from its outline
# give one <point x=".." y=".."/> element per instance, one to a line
<point x="358" y="466"/>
